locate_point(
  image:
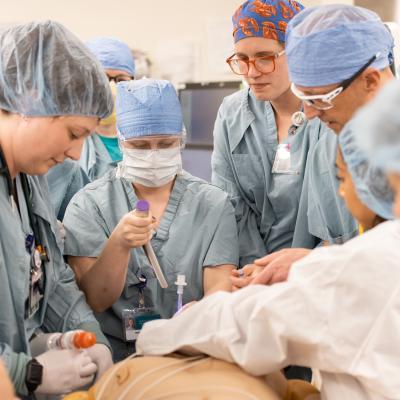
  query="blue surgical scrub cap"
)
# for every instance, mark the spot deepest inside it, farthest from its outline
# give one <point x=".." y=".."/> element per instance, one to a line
<point x="328" y="44"/>
<point x="148" y="107"/>
<point x="370" y="181"/>
<point x="264" y="18"/>
<point x="46" y="71"/>
<point x="113" y="54"/>
<point x="377" y="128"/>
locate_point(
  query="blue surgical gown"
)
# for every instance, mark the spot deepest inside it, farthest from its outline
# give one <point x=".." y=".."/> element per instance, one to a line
<point x="197" y="230"/>
<point x="64" y="181"/>
<point x="275" y="211"/>
<point x="95" y="159"/>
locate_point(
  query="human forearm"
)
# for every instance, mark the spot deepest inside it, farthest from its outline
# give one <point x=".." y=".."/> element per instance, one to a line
<point x="217" y="279"/>
<point x="103" y="282"/>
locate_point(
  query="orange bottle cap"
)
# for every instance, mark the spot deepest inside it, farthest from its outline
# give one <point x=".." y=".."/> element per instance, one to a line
<point x="83" y="340"/>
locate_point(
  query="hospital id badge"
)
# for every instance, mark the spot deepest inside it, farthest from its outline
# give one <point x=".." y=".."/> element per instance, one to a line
<point x="282" y="162"/>
<point x="36" y="285"/>
<point x="134" y="319"/>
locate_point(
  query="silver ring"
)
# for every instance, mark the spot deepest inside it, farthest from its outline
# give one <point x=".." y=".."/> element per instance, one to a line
<point x="241" y="273"/>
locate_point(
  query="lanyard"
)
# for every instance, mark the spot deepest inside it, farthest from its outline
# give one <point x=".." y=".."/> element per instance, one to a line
<point x="26" y="190"/>
<point x="4" y="171"/>
<point x="33" y="243"/>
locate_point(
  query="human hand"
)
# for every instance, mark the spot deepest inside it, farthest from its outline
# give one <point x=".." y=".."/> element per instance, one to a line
<point x="242" y="277"/>
<point x="101" y="356"/>
<point x="65" y="370"/>
<point x="276" y="266"/>
<point x="133" y="230"/>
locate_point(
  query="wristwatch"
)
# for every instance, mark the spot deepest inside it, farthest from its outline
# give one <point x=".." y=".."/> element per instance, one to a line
<point x="34" y="375"/>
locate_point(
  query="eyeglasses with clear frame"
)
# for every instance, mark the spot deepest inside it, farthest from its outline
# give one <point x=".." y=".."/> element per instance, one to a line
<point x="323" y="102"/>
<point x="263" y="64"/>
<point x="120" y="78"/>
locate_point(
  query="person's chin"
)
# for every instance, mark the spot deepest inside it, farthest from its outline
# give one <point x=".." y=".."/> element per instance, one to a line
<point x="262" y="91"/>
<point x="42" y="169"/>
<point x="335" y="126"/>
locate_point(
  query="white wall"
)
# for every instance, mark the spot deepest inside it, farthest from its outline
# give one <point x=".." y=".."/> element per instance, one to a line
<point x="156" y="26"/>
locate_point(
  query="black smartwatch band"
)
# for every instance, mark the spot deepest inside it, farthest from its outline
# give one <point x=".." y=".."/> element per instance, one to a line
<point x="34" y="375"/>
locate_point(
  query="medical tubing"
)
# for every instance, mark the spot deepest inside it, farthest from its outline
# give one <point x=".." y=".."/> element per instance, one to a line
<point x="180" y="283"/>
<point x="179" y="302"/>
<point x="142" y="209"/>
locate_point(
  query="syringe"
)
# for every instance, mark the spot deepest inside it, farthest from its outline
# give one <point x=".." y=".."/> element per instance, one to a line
<point x="142" y="208"/>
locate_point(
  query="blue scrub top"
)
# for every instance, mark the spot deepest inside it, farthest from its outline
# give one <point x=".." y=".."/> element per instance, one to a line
<point x="63" y="307"/>
<point x="95" y="159"/>
<point x="276" y="211"/>
<point x="197" y="230"/>
<point x="64" y="181"/>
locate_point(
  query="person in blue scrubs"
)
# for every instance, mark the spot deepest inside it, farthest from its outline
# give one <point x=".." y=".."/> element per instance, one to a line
<point x="64" y="181"/>
<point x="101" y="151"/>
<point x="53" y="94"/>
<point x="334" y="82"/>
<point x="191" y="225"/>
<point x="277" y="167"/>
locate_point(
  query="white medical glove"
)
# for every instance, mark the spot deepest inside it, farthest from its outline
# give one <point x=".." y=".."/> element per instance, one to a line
<point x="38" y="344"/>
<point x="65" y="371"/>
<point x="101" y="356"/>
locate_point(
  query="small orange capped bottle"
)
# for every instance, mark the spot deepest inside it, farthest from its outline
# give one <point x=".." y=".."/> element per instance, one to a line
<point x="71" y="340"/>
<point x="83" y="339"/>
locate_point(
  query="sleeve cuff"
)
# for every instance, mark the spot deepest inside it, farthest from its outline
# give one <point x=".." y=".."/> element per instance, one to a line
<point x="16" y="365"/>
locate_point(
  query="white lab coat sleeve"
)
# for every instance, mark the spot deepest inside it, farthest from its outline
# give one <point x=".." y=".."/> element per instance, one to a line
<point x="315" y="319"/>
<point x="246" y="328"/>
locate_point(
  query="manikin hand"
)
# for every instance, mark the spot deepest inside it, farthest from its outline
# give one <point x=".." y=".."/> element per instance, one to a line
<point x="276" y="266"/>
<point x="242" y="277"/>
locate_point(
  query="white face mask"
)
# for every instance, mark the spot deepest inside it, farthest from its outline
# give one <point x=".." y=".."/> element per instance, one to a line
<point x="151" y="168"/>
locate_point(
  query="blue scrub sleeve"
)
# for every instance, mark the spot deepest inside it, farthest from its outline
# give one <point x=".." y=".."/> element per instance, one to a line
<point x="86" y="231"/>
<point x="16" y="366"/>
<point x="67" y="308"/>
<point x="328" y="216"/>
<point x="223" y="248"/>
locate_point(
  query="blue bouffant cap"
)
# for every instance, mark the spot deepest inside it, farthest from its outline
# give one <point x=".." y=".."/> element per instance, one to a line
<point x="148" y="107"/>
<point x="113" y="54"/>
<point x="328" y="44"/>
<point x="45" y="70"/>
<point x="371" y="183"/>
<point x="377" y="128"/>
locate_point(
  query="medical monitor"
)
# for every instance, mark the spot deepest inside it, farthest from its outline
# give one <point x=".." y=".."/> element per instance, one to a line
<point x="200" y="103"/>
